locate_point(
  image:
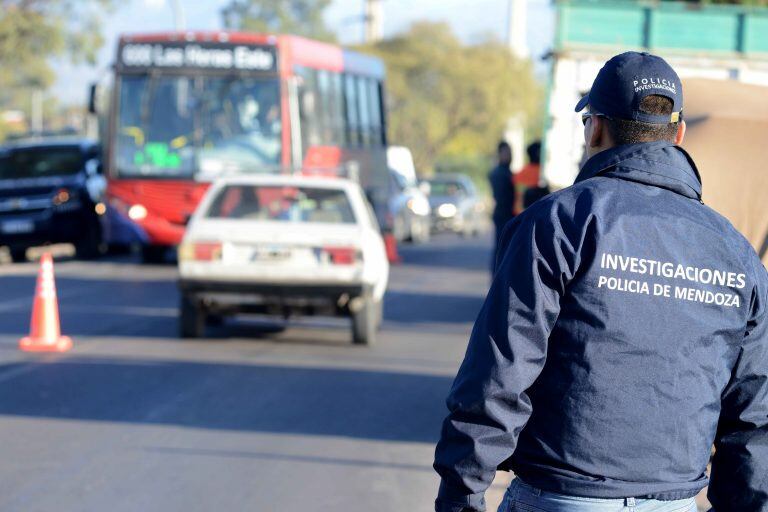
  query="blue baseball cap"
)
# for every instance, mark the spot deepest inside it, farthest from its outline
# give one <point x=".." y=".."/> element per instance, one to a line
<point x="626" y="79"/>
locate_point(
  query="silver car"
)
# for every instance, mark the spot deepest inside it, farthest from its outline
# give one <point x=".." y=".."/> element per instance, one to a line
<point x="455" y="204"/>
<point x="410" y="211"/>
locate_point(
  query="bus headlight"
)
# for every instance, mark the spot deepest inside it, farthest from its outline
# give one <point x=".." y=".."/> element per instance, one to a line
<point x="137" y="212"/>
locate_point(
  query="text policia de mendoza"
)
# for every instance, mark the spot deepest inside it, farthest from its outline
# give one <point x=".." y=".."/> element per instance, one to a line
<point x="675" y="271"/>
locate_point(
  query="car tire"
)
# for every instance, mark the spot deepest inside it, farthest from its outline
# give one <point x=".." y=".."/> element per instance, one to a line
<point x="153" y="254"/>
<point x="423" y="233"/>
<point x="90" y="246"/>
<point x="364" y="322"/>
<point x="379" y="306"/>
<point x="18" y="254"/>
<point x="191" y="318"/>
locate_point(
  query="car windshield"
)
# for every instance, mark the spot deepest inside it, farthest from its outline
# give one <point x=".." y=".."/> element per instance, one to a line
<point x="197" y="126"/>
<point x="40" y="162"/>
<point x="282" y="203"/>
<point x="445" y="188"/>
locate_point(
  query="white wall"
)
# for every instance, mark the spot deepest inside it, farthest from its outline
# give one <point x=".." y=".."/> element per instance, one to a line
<point x="573" y="75"/>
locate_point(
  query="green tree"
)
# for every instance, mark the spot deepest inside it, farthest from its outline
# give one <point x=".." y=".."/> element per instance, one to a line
<point x="299" y="17"/>
<point x="752" y="3"/>
<point x="32" y="32"/>
<point x="448" y="101"/>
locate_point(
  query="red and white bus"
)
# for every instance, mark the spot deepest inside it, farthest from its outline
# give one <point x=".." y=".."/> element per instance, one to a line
<point x="188" y="107"/>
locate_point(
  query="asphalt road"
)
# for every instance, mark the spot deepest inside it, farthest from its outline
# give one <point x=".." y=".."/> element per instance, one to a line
<point x="254" y="418"/>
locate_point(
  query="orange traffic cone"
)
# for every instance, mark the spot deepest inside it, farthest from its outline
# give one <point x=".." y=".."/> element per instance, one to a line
<point x="390" y="244"/>
<point x="44" y="332"/>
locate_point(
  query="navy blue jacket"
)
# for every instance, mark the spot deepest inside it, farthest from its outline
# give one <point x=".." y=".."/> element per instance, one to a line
<point x="625" y="331"/>
<point x="503" y="188"/>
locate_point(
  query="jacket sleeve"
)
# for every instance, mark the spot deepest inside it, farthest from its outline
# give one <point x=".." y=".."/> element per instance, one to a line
<point x="739" y="480"/>
<point x="488" y="405"/>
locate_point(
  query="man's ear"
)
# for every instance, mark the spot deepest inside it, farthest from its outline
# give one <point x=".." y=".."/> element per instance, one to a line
<point x="680" y="133"/>
<point x="597" y="137"/>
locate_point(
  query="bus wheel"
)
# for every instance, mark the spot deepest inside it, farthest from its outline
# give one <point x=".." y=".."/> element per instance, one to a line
<point x="153" y="253"/>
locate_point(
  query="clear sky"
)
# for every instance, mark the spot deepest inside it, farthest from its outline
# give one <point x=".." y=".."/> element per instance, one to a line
<point x="470" y="19"/>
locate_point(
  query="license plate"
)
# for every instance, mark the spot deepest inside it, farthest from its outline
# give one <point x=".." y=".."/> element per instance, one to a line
<point x="13" y="227"/>
<point x="270" y="254"/>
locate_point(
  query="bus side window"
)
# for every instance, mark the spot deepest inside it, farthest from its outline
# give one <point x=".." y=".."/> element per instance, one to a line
<point x="330" y="89"/>
<point x="364" y="110"/>
<point x="350" y="102"/>
<point x="336" y="108"/>
<point x="310" y="108"/>
<point x="325" y="107"/>
<point x="374" y="99"/>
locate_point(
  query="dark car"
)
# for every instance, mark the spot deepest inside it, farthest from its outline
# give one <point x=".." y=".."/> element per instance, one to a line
<point x="51" y="192"/>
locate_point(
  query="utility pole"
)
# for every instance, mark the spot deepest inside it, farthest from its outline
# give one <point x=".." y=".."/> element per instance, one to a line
<point x="179" y="20"/>
<point x="517" y="21"/>
<point x="374" y="21"/>
<point x="37" y="111"/>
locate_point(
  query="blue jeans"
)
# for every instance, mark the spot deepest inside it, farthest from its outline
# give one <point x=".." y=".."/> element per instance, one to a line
<point x="521" y="497"/>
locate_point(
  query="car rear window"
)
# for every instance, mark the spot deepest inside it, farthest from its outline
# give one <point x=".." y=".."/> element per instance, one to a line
<point x="279" y="203"/>
<point x="40" y="162"/>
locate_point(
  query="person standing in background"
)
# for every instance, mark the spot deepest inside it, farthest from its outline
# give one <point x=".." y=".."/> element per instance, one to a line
<point x="503" y="188"/>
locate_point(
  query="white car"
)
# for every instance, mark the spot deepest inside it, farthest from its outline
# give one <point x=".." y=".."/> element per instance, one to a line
<point x="283" y="245"/>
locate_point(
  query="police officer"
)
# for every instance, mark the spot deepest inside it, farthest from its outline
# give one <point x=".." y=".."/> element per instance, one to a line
<point x="625" y="332"/>
<point x="503" y="188"/>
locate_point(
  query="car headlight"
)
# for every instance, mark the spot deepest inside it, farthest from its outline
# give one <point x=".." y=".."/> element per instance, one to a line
<point x="64" y="196"/>
<point x="137" y="212"/>
<point x="446" y="210"/>
<point x="419" y="207"/>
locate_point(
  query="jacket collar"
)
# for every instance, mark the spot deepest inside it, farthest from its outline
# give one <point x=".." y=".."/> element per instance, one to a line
<point x="661" y="164"/>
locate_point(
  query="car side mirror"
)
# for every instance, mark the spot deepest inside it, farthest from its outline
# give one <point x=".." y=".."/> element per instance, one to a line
<point x="92" y="90"/>
<point x="92" y="167"/>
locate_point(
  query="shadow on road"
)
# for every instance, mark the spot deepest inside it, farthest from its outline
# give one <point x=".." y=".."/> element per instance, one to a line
<point x="449" y="251"/>
<point x="365" y="404"/>
<point x="408" y="307"/>
<point x="148" y="308"/>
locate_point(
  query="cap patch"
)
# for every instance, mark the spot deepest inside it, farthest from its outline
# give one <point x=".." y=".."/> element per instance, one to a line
<point x="645" y="84"/>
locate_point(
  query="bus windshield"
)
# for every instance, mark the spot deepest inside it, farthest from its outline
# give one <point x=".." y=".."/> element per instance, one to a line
<point x="174" y="126"/>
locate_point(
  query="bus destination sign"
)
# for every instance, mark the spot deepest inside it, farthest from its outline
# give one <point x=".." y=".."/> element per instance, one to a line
<point x="215" y="56"/>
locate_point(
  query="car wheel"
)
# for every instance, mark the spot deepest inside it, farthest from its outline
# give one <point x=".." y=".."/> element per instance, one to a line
<point x="18" y="254"/>
<point x="379" y="305"/>
<point x="90" y="246"/>
<point x="398" y="229"/>
<point x="423" y="233"/>
<point x="191" y="318"/>
<point x="364" y="322"/>
<point x="153" y="253"/>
